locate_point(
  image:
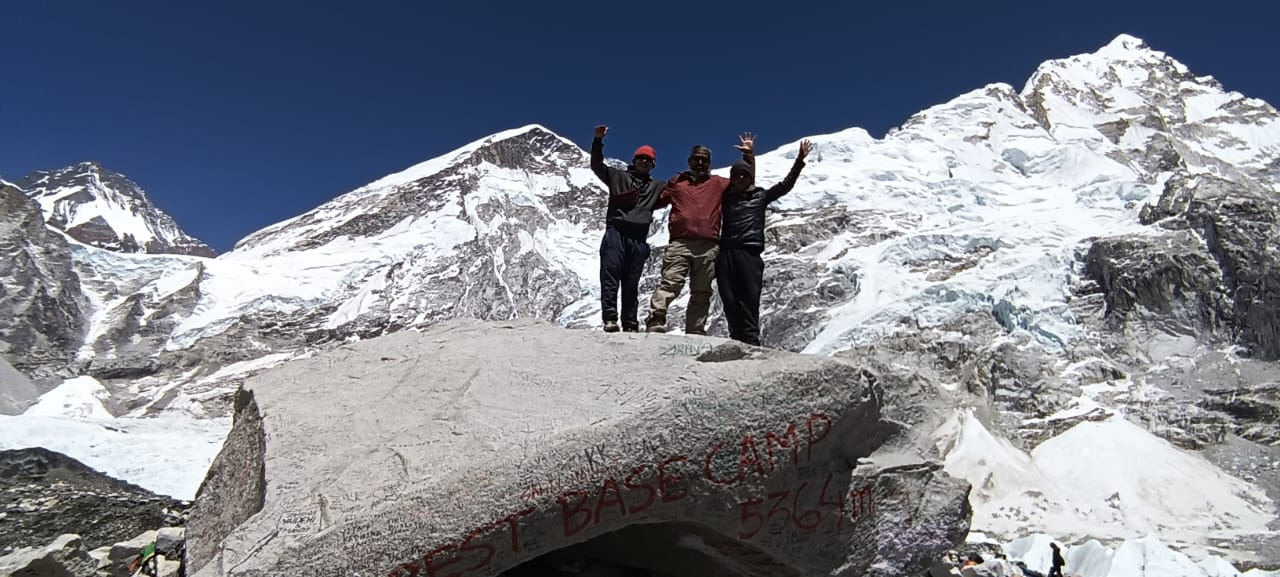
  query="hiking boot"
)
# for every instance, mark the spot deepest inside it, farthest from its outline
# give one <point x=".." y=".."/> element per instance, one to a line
<point x="611" y="326"/>
<point x="630" y="327"/>
<point x="655" y="329"/>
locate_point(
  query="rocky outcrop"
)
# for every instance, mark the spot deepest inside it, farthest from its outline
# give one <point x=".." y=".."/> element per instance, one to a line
<point x="16" y="390"/>
<point x="42" y="309"/>
<point x="67" y="556"/>
<point x="1206" y="268"/>
<point x="44" y="494"/>
<point x="634" y="450"/>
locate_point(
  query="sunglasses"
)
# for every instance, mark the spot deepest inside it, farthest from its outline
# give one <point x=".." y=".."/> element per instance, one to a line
<point x="699" y="157"/>
<point x="639" y="159"/>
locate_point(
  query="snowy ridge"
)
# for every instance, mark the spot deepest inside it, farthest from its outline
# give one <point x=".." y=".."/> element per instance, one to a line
<point x="347" y="206"/>
<point x="106" y="209"/>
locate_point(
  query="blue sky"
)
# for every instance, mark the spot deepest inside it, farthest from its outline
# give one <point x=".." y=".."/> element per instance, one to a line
<point x="237" y="114"/>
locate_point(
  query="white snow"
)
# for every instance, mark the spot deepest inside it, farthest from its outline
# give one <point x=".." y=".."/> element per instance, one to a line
<point x="80" y="397"/>
<point x="1105" y="480"/>
<point x="167" y="455"/>
<point x="123" y="213"/>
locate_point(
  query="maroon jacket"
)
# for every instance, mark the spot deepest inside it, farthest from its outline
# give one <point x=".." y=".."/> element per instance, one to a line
<point x="695" y="206"/>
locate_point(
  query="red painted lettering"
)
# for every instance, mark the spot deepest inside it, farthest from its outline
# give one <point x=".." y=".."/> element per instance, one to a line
<point x="432" y="568"/>
<point x="617" y="498"/>
<point x="629" y="483"/>
<point x="707" y="468"/>
<point x="814" y="440"/>
<point x="748" y="456"/>
<point x="513" y="521"/>
<point x="861" y="501"/>
<point x="788" y="439"/>
<point x="468" y="546"/>
<point x="779" y="495"/>
<point x="569" y="513"/>
<point x="822" y="500"/>
<point x="798" y="518"/>
<point x="745" y="508"/>
<point x="668" y="497"/>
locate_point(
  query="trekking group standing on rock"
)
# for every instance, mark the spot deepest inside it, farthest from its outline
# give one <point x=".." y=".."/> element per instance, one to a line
<point x="716" y="227"/>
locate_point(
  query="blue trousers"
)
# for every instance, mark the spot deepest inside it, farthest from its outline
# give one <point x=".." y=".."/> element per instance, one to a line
<point x="622" y="259"/>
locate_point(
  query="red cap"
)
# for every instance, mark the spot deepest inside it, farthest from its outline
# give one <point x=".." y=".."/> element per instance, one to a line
<point x="645" y="150"/>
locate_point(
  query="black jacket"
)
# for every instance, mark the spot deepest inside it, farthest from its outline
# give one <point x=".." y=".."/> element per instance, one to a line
<point x="631" y="194"/>
<point x="743" y="212"/>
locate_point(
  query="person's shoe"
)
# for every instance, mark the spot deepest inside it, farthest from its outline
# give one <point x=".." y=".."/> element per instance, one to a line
<point x="611" y="326"/>
<point x="655" y="329"/>
<point x="630" y="328"/>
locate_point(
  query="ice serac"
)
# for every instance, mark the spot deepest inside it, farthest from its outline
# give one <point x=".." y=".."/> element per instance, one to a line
<point x="103" y="208"/>
<point x="42" y="309"/>
<point x="730" y="462"/>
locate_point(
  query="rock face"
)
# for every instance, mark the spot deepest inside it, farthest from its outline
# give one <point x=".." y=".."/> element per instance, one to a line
<point x="45" y="494"/>
<point x="484" y="448"/>
<point x="103" y="208"/>
<point x="42" y="309"/>
<point x="16" y="390"/>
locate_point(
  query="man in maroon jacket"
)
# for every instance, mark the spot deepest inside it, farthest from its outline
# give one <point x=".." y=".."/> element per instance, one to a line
<point x="694" y="226"/>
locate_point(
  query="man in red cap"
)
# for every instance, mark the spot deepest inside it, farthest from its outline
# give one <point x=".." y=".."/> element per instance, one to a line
<point x="695" y="197"/>
<point x="625" y="247"/>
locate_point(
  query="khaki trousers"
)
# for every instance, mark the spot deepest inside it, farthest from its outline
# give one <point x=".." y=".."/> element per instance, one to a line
<point x="693" y="259"/>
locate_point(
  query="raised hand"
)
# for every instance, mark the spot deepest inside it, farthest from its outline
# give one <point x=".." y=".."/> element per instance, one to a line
<point x="805" y="147"/>
<point x="601" y="130"/>
<point x="746" y="142"/>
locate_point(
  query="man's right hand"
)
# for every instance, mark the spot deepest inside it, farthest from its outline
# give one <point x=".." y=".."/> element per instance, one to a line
<point x="601" y="131"/>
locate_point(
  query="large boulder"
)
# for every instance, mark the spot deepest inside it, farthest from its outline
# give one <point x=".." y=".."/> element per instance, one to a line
<point x="515" y="448"/>
<point x="64" y="557"/>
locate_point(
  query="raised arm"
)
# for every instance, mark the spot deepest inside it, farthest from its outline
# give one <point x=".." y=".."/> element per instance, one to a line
<point x="778" y="190"/>
<point x="747" y="144"/>
<point x="602" y="170"/>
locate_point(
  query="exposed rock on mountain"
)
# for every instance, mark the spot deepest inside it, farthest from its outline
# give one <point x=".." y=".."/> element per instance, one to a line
<point x="42" y="308"/>
<point x="105" y="209"/>
<point x="17" y="392"/>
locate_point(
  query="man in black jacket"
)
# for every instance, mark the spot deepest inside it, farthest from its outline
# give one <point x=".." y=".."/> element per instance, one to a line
<point x="739" y="268"/>
<point x="625" y="247"/>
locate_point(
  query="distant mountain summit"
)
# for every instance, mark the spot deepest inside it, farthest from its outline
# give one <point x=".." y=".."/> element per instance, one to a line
<point x="105" y="209"/>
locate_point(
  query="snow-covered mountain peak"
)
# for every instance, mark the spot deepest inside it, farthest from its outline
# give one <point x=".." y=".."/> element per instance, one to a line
<point x="420" y="191"/>
<point x="103" y="208"/>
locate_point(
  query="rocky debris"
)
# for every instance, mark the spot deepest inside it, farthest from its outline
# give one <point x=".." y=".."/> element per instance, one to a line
<point x="44" y="494"/>
<point x="88" y="186"/>
<point x="64" y="557"/>
<point x="596" y="446"/>
<point x="17" y="392"/>
<point x="1254" y="409"/>
<point x="42" y="310"/>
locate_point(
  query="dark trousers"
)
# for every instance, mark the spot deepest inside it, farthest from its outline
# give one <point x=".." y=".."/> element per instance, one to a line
<point x="740" y="278"/>
<point x="622" y="259"/>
